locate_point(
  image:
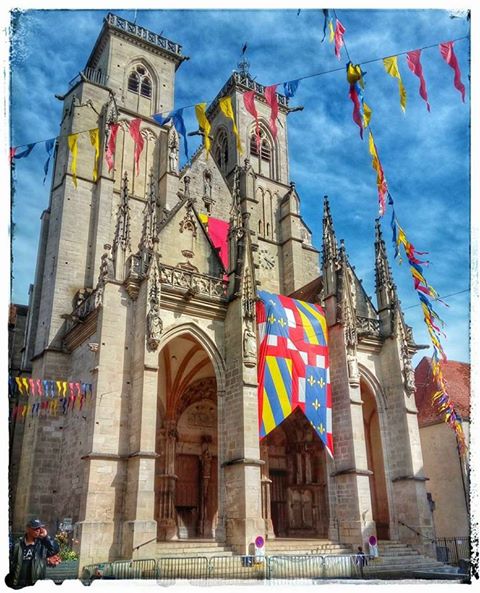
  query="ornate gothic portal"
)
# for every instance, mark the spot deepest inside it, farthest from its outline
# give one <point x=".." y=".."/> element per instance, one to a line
<point x="186" y="489"/>
<point x="296" y="463"/>
<point x="378" y="488"/>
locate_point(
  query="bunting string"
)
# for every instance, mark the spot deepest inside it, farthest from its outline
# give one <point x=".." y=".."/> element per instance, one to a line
<point x="41" y="397"/>
<point x="426" y="293"/>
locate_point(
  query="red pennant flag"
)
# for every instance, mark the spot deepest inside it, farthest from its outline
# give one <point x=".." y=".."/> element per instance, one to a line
<point x="271" y="97"/>
<point x="339" y="33"/>
<point x="137" y="138"/>
<point x="446" y="49"/>
<point x="357" y="118"/>
<point x="249" y="102"/>
<point x="112" y="140"/>
<point x="413" y="61"/>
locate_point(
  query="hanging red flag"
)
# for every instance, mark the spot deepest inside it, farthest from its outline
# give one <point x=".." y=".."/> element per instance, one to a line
<point x="356" y="108"/>
<point x="446" y="49"/>
<point x="249" y="102"/>
<point x="272" y="100"/>
<point x="138" y="140"/>
<point x="339" y="33"/>
<point x="413" y="61"/>
<point x="112" y="139"/>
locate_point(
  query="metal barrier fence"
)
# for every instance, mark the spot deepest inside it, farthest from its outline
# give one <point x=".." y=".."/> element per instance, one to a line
<point x="452" y="549"/>
<point x="121" y="569"/>
<point x="227" y="568"/>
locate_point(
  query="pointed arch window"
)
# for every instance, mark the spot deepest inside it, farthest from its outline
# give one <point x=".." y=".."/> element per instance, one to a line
<point x="220" y="150"/>
<point x="139" y="81"/>
<point x="262" y="153"/>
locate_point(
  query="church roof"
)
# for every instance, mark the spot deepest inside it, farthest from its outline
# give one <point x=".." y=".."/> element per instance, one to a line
<point x="457" y="378"/>
<point x="309" y="292"/>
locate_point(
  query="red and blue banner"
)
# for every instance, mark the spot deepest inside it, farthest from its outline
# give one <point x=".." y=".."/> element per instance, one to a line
<point x="293" y="364"/>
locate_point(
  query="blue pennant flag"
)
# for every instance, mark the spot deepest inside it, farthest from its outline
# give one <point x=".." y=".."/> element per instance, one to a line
<point x="158" y="117"/>
<point x="290" y="88"/>
<point x="177" y="119"/>
<point x="24" y="153"/>
<point x="49" y="145"/>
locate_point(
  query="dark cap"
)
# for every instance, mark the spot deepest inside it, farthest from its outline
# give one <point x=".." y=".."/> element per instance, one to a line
<point x="35" y="524"/>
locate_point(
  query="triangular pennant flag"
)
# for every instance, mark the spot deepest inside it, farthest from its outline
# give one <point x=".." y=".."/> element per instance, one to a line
<point x="377" y="166"/>
<point x="111" y="144"/>
<point x="367" y="115"/>
<point x="391" y="67"/>
<point x="49" y="145"/>
<point x="413" y="62"/>
<point x="138" y="141"/>
<point x="356" y="108"/>
<point x="95" y="142"/>
<point x="339" y="33"/>
<point x="290" y="88"/>
<point x="225" y="104"/>
<point x="73" y="148"/>
<point x="23" y="153"/>
<point x="177" y="120"/>
<point x="204" y="124"/>
<point x="325" y="21"/>
<point x="272" y="100"/>
<point x="446" y="50"/>
<point x="249" y="102"/>
<point x="158" y="117"/>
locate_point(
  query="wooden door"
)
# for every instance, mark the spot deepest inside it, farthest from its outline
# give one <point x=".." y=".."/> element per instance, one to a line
<point x="279" y="502"/>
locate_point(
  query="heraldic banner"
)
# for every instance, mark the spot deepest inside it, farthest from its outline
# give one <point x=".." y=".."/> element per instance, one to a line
<point x="293" y="365"/>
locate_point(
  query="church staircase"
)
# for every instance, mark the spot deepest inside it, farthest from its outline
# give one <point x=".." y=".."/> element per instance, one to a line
<point x="398" y="560"/>
<point x="302" y="546"/>
<point x="191" y="547"/>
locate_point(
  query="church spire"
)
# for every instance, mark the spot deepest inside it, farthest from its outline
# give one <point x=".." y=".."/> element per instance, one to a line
<point x="150" y="220"/>
<point x="385" y="288"/>
<point x="121" y="241"/>
<point x="330" y="252"/>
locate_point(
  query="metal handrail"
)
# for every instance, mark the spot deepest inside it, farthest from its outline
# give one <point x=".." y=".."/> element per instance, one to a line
<point x="432" y="541"/>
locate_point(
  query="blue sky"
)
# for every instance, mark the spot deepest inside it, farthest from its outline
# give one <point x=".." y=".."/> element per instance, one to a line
<point x="425" y="156"/>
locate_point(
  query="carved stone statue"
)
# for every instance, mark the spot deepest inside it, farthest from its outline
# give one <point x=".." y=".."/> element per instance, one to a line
<point x="249" y="345"/>
<point x="409" y="375"/>
<point x="106" y="264"/>
<point x="173" y="152"/>
<point x="353" y="371"/>
<point x="155" y="326"/>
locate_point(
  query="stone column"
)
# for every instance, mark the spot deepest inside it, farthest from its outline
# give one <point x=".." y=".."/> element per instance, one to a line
<point x="166" y="522"/>
<point x="240" y="457"/>
<point x="266" y="493"/>
<point x="353" y="507"/>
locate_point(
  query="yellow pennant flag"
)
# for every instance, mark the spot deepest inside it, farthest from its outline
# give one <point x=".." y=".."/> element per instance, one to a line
<point x="367" y="115"/>
<point x="332" y="32"/>
<point x="373" y="151"/>
<point x="200" y="112"/>
<point x="95" y="142"/>
<point x="225" y="104"/>
<point x="391" y="67"/>
<point x="73" y="147"/>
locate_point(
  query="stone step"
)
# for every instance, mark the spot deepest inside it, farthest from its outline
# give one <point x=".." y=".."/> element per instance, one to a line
<point x="191" y="548"/>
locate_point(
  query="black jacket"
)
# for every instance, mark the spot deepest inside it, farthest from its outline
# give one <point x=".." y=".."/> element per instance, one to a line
<point x="43" y="549"/>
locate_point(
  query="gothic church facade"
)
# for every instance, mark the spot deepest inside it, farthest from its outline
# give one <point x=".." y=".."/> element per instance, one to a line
<point x="132" y="296"/>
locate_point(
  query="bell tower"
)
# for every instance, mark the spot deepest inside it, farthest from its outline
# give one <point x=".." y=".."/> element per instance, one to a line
<point x="258" y="157"/>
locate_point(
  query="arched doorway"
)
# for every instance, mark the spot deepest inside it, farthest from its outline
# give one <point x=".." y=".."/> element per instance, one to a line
<point x="375" y="462"/>
<point x="296" y="459"/>
<point x="186" y="489"/>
